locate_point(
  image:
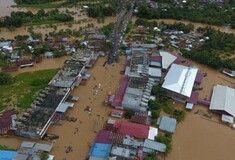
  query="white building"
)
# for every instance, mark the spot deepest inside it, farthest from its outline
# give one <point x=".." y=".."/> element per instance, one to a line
<point x="179" y="81"/>
<point x="223" y="100"/>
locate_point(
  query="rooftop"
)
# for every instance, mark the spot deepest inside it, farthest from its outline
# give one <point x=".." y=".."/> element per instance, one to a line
<point x="223" y="99"/>
<point x="180" y="79"/>
<point x="41" y="110"/>
<point x="167" y="124"/>
<point x="100" y="150"/>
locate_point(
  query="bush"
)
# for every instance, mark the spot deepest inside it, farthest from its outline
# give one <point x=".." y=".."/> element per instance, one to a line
<point x="179" y="114"/>
<point x="5" y="78"/>
<point x="167" y="140"/>
<point x="128" y="113"/>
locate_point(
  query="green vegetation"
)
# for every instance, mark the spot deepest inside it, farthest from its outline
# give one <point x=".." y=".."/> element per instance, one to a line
<point x="167" y="140"/>
<point x="216" y="51"/>
<point x="163" y="103"/>
<point x="151" y="156"/>
<point x="128" y="113"/>
<point x="5" y="78"/>
<point x="221" y="16"/>
<point x="3" y="147"/>
<point x="107" y="29"/>
<point x="22" y="91"/>
<point x="102" y="9"/>
<point x="44" y="156"/>
<point x="186" y="28"/>
<point x="17" y="19"/>
<point x="33" y="1"/>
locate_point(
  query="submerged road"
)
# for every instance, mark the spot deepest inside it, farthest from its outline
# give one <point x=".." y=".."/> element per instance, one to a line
<point x="120" y="27"/>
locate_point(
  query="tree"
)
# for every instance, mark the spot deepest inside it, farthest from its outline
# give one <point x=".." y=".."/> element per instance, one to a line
<point x="128" y="113"/>
<point x="5" y="78"/>
<point x="44" y="156"/>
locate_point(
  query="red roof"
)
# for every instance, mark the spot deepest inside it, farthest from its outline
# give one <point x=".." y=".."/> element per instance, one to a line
<point x="141" y="118"/>
<point x="120" y="91"/>
<point x="6" y="121"/>
<point x="132" y="129"/>
<point x="155" y="58"/>
<point x="103" y="136"/>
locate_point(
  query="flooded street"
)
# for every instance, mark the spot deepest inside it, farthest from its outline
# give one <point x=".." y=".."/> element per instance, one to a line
<point x="6" y="9"/>
<point x="196" y="138"/>
<point x="109" y="78"/>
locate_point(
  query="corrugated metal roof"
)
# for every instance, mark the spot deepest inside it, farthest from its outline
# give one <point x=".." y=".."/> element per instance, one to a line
<point x="43" y="147"/>
<point x="27" y="144"/>
<point x="167" y="59"/>
<point x="167" y="124"/>
<point x="157" y="146"/>
<point x="180" y="79"/>
<point x="223" y="99"/>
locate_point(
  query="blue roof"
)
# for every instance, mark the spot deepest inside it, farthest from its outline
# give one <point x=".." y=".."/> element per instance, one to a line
<point x="7" y="155"/>
<point x="100" y="150"/>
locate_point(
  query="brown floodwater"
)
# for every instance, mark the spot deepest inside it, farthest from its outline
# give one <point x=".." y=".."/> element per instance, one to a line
<point x="6" y="9"/>
<point x="226" y="29"/>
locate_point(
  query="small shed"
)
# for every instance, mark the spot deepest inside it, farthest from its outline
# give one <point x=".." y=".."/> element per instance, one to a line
<point x="167" y="124"/>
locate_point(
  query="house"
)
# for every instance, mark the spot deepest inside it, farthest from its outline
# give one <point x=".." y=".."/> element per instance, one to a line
<point x="120" y="152"/>
<point x="99" y="151"/>
<point x="141" y="118"/>
<point x="7" y="155"/>
<point x="32" y="150"/>
<point x="7" y="121"/>
<point x="24" y="63"/>
<point x="167" y="59"/>
<point x="223" y="100"/>
<point x="167" y="124"/>
<point x="103" y="137"/>
<point x="179" y="82"/>
<point x="151" y="146"/>
<point x="49" y="54"/>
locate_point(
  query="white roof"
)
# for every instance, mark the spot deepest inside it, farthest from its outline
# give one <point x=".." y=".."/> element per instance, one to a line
<point x="223" y="99"/>
<point x="155" y="72"/>
<point x="189" y="105"/>
<point x="152" y="133"/>
<point x="167" y="59"/>
<point x="64" y="106"/>
<point x="180" y="79"/>
<point x="226" y="118"/>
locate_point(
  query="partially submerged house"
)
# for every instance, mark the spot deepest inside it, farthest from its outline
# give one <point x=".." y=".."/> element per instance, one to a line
<point x="7" y="121"/>
<point x="223" y="100"/>
<point x="179" y="82"/>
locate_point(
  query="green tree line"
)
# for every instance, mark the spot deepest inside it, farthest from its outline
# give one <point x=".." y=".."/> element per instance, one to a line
<point x="17" y="19"/>
<point x="209" y="14"/>
<point x="213" y="51"/>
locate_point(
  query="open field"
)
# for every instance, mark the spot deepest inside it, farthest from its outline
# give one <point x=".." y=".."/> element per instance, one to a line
<point x="21" y="92"/>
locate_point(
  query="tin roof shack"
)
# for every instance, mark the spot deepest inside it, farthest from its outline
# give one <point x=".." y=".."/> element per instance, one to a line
<point x="7" y="121"/>
<point x="121" y="152"/>
<point x="32" y="150"/>
<point x="151" y="146"/>
<point x="38" y="118"/>
<point x="167" y="124"/>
